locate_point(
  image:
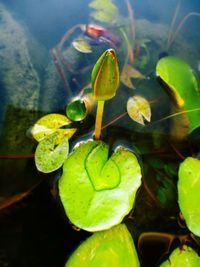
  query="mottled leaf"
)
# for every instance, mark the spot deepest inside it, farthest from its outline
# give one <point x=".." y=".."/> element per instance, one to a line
<point x="51" y="123"/>
<point x="188" y="193"/>
<point x="128" y="72"/>
<point x="98" y="192"/>
<point x="82" y="45"/>
<point x="137" y="108"/>
<point x="114" y="248"/>
<point x="184" y="257"/>
<point x="49" y="156"/>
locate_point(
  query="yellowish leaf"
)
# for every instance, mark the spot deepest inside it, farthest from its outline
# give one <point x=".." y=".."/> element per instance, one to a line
<point x="82" y="45"/>
<point x="129" y="73"/>
<point x="138" y="108"/>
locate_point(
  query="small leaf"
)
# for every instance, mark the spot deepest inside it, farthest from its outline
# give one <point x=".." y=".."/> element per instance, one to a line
<point x="77" y="110"/>
<point x="188" y="193"/>
<point x="137" y="108"/>
<point x="82" y="45"/>
<point x="105" y="76"/>
<point x="104" y="11"/>
<point x="184" y="257"/>
<point x="129" y="72"/>
<point x="49" y="156"/>
<point x="90" y="203"/>
<point x="50" y="123"/>
<point x="114" y="248"/>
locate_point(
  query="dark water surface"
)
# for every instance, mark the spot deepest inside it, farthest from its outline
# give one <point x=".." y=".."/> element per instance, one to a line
<point x="34" y="230"/>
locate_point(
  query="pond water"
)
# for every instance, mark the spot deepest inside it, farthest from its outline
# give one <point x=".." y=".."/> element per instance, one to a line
<point x="43" y="67"/>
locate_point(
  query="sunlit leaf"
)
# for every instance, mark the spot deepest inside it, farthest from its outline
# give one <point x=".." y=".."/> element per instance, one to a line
<point x="184" y="257"/>
<point x="82" y="45"/>
<point x="128" y="72"/>
<point x="188" y="193"/>
<point x="50" y="123"/>
<point x="137" y="108"/>
<point x="113" y="247"/>
<point x="104" y="11"/>
<point x="105" y="76"/>
<point x="98" y="192"/>
<point x="49" y="156"/>
<point x="182" y="87"/>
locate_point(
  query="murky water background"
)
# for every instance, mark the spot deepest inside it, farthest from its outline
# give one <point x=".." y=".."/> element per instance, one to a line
<point x="33" y="229"/>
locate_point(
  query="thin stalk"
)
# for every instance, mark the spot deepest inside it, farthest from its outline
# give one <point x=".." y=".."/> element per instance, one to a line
<point x="99" y="116"/>
<point x="131" y="17"/>
<point x="182" y="22"/>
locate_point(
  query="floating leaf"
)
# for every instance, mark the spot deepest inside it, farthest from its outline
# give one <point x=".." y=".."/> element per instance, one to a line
<point x="77" y="110"/>
<point x="182" y="86"/>
<point x="50" y="123"/>
<point x="188" y="193"/>
<point x="129" y="72"/>
<point x="98" y="192"/>
<point x="82" y="45"/>
<point x="113" y="247"/>
<point x="105" y="11"/>
<point x="49" y="156"/>
<point x="105" y="76"/>
<point x="184" y="257"/>
<point x="137" y="108"/>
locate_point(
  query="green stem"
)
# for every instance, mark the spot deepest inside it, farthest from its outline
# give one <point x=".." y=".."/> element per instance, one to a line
<point x="99" y="116"/>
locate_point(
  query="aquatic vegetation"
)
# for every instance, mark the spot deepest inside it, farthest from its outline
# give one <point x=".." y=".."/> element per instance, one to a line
<point x="105" y="81"/>
<point x="137" y="108"/>
<point x="183" y="87"/>
<point x="184" y="256"/>
<point x="114" y="246"/>
<point x="78" y="109"/>
<point x="188" y="193"/>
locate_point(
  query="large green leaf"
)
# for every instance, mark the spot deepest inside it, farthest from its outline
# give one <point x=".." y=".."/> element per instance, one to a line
<point x="189" y="193"/>
<point x="184" y="257"/>
<point x="98" y="192"/>
<point x="49" y="156"/>
<point x="113" y="247"/>
<point x="183" y="87"/>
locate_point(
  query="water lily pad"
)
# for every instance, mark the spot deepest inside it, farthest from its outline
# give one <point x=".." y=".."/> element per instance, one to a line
<point x="113" y="247"/>
<point x="76" y="110"/>
<point x="49" y="156"/>
<point x="184" y="257"/>
<point x="188" y="193"/>
<point x="137" y="108"/>
<point x="51" y="123"/>
<point x="98" y="192"/>
<point x="182" y="86"/>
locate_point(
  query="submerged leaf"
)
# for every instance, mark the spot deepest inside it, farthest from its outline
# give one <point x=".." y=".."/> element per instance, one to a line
<point x="51" y="123"/>
<point x="98" y="192"/>
<point x="182" y="86"/>
<point x="188" y="193"/>
<point x="104" y="11"/>
<point x="49" y="156"/>
<point x="129" y="72"/>
<point x="113" y="247"/>
<point x="137" y="108"/>
<point x="184" y="257"/>
<point x="82" y="45"/>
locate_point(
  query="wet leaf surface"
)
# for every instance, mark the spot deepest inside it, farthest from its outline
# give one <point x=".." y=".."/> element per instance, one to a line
<point x="188" y="193"/>
<point x="90" y="183"/>
<point x="49" y="156"/>
<point x="113" y="247"/>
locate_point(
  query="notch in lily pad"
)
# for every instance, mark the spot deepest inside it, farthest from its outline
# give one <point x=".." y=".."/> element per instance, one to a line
<point x="105" y="81"/>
